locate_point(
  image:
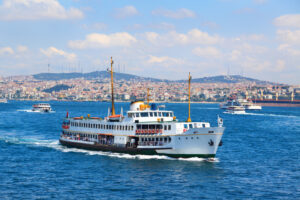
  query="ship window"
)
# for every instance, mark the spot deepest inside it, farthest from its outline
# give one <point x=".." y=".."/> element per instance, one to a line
<point x="138" y="126"/>
<point x="190" y="125"/>
<point x="169" y="127"/>
<point x="186" y="138"/>
<point x="159" y="114"/>
<point x="151" y="114"/>
<point x="203" y="125"/>
<point x="155" y="114"/>
<point x="125" y="128"/>
<point x="185" y="126"/>
<point x="130" y="115"/>
<point x="151" y="126"/>
<point x="197" y="138"/>
<point x="171" y="114"/>
<point x="169" y="139"/>
<point x="159" y="126"/>
<point x="192" y="138"/>
<point x="137" y="114"/>
<point x="144" y="114"/>
<point x="144" y="126"/>
<point x="165" y="127"/>
<point x="156" y="139"/>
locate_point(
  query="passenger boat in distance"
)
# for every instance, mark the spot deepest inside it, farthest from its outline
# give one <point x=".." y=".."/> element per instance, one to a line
<point x="3" y="100"/>
<point x="41" y="107"/>
<point x="145" y="129"/>
<point x="235" y="109"/>
<point x="248" y="104"/>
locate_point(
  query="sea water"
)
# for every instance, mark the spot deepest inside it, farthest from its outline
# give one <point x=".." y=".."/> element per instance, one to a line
<point x="259" y="158"/>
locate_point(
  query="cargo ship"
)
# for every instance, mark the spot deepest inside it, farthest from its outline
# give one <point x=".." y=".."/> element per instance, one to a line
<point x="277" y="103"/>
<point x="145" y="129"/>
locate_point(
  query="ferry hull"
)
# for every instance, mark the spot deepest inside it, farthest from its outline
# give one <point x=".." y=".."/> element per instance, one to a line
<point x="132" y="151"/>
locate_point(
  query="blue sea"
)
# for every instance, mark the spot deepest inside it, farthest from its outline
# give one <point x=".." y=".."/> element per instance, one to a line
<point x="259" y="158"/>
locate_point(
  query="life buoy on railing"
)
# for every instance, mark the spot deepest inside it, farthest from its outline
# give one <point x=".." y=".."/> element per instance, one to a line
<point x="153" y="131"/>
<point x="157" y="131"/>
<point x="160" y="131"/>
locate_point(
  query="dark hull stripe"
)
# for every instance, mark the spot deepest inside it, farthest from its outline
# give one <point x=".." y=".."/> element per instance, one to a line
<point x="128" y="150"/>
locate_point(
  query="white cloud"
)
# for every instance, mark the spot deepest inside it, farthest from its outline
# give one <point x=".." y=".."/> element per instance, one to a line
<point x="52" y="52"/>
<point x="291" y="20"/>
<point x="207" y="52"/>
<point x="22" y="48"/>
<point x="163" y="59"/>
<point x="36" y="10"/>
<point x="6" y="50"/>
<point x="172" y="38"/>
<point x="288" y="49"/>
<point x="96" y="40"/>
<point x="288" y="36"/>
<point x="127" y="11"/>
<point x="179" y="14"/>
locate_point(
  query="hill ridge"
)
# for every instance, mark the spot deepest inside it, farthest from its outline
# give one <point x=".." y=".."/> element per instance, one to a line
<point x="119" y="76"/>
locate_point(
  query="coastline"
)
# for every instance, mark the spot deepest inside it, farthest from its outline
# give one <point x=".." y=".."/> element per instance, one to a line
<point x="160" y="102"/>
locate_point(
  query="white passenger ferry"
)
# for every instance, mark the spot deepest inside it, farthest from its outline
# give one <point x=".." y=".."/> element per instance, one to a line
<point x="41" y="107"/>
<point x="143" y="130"/>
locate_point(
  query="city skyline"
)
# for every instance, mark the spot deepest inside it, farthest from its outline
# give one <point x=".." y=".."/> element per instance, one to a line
<point x="255" y="38"/>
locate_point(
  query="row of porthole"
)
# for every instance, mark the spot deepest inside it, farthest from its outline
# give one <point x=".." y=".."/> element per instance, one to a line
<point x="188" y="138"/>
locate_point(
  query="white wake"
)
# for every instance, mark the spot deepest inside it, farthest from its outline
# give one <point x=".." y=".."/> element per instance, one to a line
<point x="54" y="144"/>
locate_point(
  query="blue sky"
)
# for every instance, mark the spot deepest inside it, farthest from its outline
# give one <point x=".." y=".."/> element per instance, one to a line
<point x="161" y="39"/>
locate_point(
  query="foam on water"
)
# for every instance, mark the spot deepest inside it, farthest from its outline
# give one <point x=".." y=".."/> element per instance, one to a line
<point x="54" y="144"/>
<point x="31" y="111"/>
<point x="261" y="114"/>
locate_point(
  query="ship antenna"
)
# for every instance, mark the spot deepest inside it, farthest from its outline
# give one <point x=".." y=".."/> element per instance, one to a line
<point x="112" y="87"/>
<point x="189" y="118"/>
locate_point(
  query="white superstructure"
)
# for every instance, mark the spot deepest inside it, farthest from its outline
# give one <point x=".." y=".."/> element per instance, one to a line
<point x="41" y="107"/>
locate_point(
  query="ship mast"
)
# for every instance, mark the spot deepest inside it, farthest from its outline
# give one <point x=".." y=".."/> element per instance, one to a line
<point x="148" y="96"/>
<point x="189" y="118"/>
<point x="112" y="87"/>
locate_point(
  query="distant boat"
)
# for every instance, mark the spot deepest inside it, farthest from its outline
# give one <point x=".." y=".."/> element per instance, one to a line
<point x="236" y="110"/>
<point x="162" y="106"/>
<point x="249" y="105"/>
<point x="41" y="107"/>
<point x="3" y="100"/>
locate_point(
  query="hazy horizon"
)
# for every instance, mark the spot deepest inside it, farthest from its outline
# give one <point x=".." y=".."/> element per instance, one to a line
<point x="158" y="39"/>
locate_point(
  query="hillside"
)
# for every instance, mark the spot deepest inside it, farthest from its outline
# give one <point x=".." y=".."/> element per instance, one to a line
<point x="227" y="79"/>
<point x="57" y="88"/>
<point x="91" y="75"/>
<point x="98" y="75"/>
